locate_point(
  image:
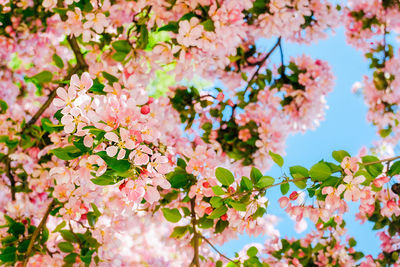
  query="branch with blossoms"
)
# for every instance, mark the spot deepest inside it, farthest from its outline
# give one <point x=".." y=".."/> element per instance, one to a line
<point x="80" y="66"/>
<point x="113" y="159"/>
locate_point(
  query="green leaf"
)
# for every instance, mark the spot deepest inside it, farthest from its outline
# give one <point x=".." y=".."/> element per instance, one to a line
<point x="251" y="252"/>
<point x="58" y="61"/>
<point x="394" y="169"/>
<point x="23" y="246"/>
<point x="172" y="215"/>
<point x="285" y="188"/>
<point x="208" y="25"/>
<point x="43" y="77"/>
<point x="66" y="153"/>
<point x="122" y="46"/>
<point x="265" y="181"/>
<point x="301" y="184"/>
<point x="67" y="235"/>
<point x="373" y="169"/>
<point x="104" y="180"/>
<point x="216" y="202"/>
<point x="238" y="206"/>
<point x="276" y="158"/>
<point x="119" y="56"/>
<point x="66" y="247"/>
<point x="218" y="190"/>
<point x="298" y="172"/>
<point x="172" y="26"/>
<point x="181" y="163"/>
<point x="49" y="126"/>
<point x="218" y="212"/>
<point x="352" y="242"/>
<point x="178" y="178"/>
<point x="8" y="254"/>
<point x="110" y="78"/>
<point x="59" y="227"/>
<point x="16" y="229"/>
<point x="120" y="166"/>
<point x="255" y="175"/>
<point x="320" y="171"/>
<point x="179" y="231"/>
<point x="220" y="226"/>
<point x="246" y="184"/>
<point x="143" y="39"/>
<point x="70" y="258"/>
<point x="95" y="209"/>
<point x="224" y="176"/>
<point x="339" y="155"/>
<point x="205" y="223"/>
<point x="3" y="106"/>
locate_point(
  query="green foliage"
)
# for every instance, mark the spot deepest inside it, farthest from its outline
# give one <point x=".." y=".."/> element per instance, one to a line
<point x="172" y="215"/>
<point x="224" y="176"/>
<point x="320" y="171"/>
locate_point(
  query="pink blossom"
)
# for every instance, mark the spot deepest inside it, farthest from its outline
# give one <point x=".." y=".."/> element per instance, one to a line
<point x="141" y="155"/>
<point x="351" y="188"/>
<point x="125" y="142"/>
<point x="83" y="84"/>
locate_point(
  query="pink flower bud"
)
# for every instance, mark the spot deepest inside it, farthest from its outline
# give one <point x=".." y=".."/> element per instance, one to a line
<point x="145" y="110"/>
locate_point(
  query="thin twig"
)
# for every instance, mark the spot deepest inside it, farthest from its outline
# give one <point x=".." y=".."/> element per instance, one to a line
<point x="255" y="74"/>
<point x="36" y="232"/>
<point x="380" y="161"/>
<point x="211" y="245"/>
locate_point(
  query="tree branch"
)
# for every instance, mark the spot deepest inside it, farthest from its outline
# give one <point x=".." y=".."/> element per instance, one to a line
<point x="255" y="74"/>
<point x="211" y="245"/>
<point x="10" y="177"/>
<point x="81" y="64"/>
<point x="380" y="161"/>
<point x="196" y="259"/>
<point x="37" y="231"/>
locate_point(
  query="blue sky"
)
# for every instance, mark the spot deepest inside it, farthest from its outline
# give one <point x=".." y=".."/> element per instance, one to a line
<point x="345" y="127"/>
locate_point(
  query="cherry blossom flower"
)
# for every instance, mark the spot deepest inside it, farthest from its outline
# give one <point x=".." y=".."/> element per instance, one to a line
<point x="351" y="188"/>
<point x="124" y="143"/>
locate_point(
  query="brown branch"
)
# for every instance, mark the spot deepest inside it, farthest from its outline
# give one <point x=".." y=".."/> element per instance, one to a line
<point x="36" y="232"/>
<point x="255" y="74"/>
<point x="380" y="161"/>
<point x="196" y="259"/>
<point x="211" y="245"/>
<point x="81" y="64"/>
<point x="10" y="177"/>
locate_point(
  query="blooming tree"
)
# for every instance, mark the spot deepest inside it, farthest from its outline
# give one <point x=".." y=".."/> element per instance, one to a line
<point x="112" y="153"/>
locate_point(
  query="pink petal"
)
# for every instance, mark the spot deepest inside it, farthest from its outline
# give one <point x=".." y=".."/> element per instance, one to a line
<point x="58" y="102"/>
<point x="359" y="179"/>
<point x="112" y="137"/>
<point x="69" y="128"/>
<point x="88" y="141"/>
<point x="141" y="160"/>
<point x="152" y="195"/>
<point x="71" y="93"/>
<point x="348" y="179"/>
<point x="62" y="93"/>
<point x="67" y="119"/>
<point x="86" y="80"/>
<point x="75" y="80"/>
<point x="121" y="154"/>
<point x="162" y="168"/>
<point x="111" y="151"/>
<point x="124" y="134"/>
